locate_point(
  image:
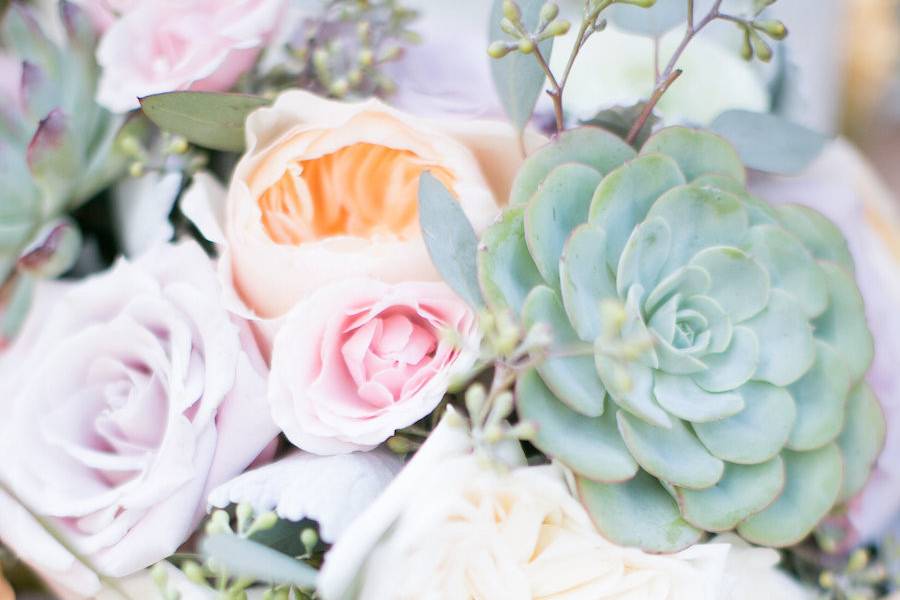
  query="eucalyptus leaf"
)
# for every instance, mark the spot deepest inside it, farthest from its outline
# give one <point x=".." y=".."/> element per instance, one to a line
<point x="518" y="77"/>
<point x="245" y="558"/>
<point x="767" y="142"/>
<point x="619" y="119"/>
<point x="450" y="239"/>
<point x="653" y="21"/>
<point x="207" y="119"/>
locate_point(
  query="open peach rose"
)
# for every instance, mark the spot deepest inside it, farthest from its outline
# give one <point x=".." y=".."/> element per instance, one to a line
<point x="328" y="190"/>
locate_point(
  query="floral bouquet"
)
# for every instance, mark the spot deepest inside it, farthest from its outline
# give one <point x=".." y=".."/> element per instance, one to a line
<point x="346" y="299"/>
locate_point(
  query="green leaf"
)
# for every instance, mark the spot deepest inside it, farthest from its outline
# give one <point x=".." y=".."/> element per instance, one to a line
<point x="821" y="399"/>
<point x="653" y="21"/>
<point x="683" y="398"/>
<point x="592" y="447"/>
<point x="573" y="379"/>
<point x="518" y="77"/>
<point x="619" y="120"/>
<point x="813" y="481"/>
<point x="450" y="239"/>
<point x="757" y="433"/>
<point x="844" y="324"/>
<point x="211" y="120"/>
<point x="767" y="142"/>
<point x="732" y="368"/>
<point x="862" y="439"/>
<point x="559" y="205"/>
<point x="505" y="269"/>
<point x="245" y="558"/>
<point x="674" y="454"/>
<point x="743" y="491"/>
<point x="817" y="232"/>
<point x="625" y="195"/>
<point x="585" y="279"/>
<point x="739" y="284"/>
<point x="596" y="148"/>
<point x="697" y="152"/>
<point x="638" y="513"/>
<point x="787" y="349"/>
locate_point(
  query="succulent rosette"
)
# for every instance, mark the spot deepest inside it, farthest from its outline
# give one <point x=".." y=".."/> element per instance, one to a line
<point x="58" y="148"/>
<point x="709" y="349"/>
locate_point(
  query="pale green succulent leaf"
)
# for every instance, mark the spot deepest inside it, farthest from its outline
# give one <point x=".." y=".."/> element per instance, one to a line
<point x="698" y="218"/>
<point x="644" y="256"/>
<point x="744" y="490"/>
<point x="106" y="158"/>
<point x="740" y="285"/>
<point x="55" y="161"/>
<point x="634" y="327"/>
<point x="573" y="379"/>
<point x="718" y="323"/>
<point x="560" y="204"/>
<point x="590" y="446"/>
<point x="861" y="441"/>
<point x="757" y="433"/>
<point x="623" y="198"/>
<point x="821" y="398"/>
<point x="591" y="146"/>
<point x="812" y="484"/>
<point x="15" y="310"/>
<point x="686" y="282"/>
<point x="674" y="455"/>
<point x="675" y="360"/>
<point x="685" y="399"/>
<point x="844" y="324"/>
<point x="630" y="385"/>
<point x="697" y="153"/>
<point x="732" y="368"/>
<point x="638" y="513"/>
<point x="39" y="92"/>
<point x="787" y="349"/>
<point x="22" y="36"/>
<point x="585" y="279"/>
<point x="791" y="267"/>
<point x="821" y="236"/>
<point x="506" y="272"/>
<point x="723" y="183"/>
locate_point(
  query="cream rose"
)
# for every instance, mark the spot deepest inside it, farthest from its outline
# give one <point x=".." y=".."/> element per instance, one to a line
<point x="360" y="359"/>
<point x="126" y="399"/>
<point x="168" y="45"/>
<point x="454" y="527"/>
<point x="328" y="190"/>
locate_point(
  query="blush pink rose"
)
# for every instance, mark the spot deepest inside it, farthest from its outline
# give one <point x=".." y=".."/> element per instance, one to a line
<point x="125" y="400"/>
<point x="360" y="359"/>
<point x="168" y="45"/>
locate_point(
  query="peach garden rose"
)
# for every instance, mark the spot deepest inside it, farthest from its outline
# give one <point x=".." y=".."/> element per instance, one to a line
<point x="328" y="190"/>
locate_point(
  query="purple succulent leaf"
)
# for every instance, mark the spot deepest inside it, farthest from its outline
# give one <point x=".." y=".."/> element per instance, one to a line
<point x="54" y="160"/>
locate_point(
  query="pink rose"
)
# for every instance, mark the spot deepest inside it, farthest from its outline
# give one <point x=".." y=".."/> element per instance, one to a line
<point x="103" y="13"/>
<point x="167" y="45"/>
<point x="126" y="399"/>
<point x="359" y="359"/>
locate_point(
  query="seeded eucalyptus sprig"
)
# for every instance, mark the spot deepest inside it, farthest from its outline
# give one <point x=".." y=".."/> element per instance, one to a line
<point x="549" y="26"/>
<point x="341" y="50"/>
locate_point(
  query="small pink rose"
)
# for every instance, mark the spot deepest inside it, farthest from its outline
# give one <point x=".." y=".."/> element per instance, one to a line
<point x="360" y="359"/>
<point x="126" y="398"/>
<point x="168" y="45"/>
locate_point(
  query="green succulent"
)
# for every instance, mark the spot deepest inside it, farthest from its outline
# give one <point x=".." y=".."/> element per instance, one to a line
<point x="58" y="148"/>
<point x="709" y="349"/>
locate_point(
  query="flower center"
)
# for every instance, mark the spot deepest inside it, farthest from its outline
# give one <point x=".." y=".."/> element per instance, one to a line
<point x="361" y="190"/>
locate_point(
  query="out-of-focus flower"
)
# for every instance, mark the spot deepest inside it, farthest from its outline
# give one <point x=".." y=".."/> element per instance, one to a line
<point x="451" y="526"/>
<point x="751" y="573"/>
<point x="104" y="13"/>
<point x="332" y="490"/>
<point x="844" y="187"/>
<point x="127" y="398"/>
<point x="328" y="191"/>
<point x="141" y="207"/>
<point x="360" y="359"/>
<point x="715" y="77"/>
<point x="167" y="45"/>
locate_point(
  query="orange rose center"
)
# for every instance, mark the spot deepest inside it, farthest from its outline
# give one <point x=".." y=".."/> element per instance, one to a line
<point x="360" y="190"/>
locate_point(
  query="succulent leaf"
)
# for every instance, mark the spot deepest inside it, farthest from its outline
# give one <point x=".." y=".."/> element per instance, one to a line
<point x="729" y="337"/>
